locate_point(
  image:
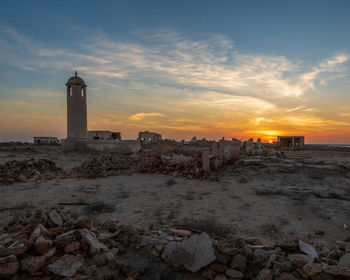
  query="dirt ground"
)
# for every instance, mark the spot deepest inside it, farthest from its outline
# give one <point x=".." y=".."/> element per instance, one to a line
<point x="259" y="201"/>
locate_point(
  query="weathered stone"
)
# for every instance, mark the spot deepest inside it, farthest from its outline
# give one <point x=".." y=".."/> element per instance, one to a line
<point x="67" y="265"/>
<point x="91" y="240"/>
<point x="322" y="276"/>
<point x="221" y="257"/>
<point x="238" y="262"/>
<point x="218" y="266"/>
<point x="83" y="222"/>
<point x="70" y="248"/>
<point x="39" y="230"/>
<point x="265" y="274"/>
<point x="17" y="248"/>
<point x="32" y="264"/>
<point x="8" y="267"/>
<point x="208" y="273"/>
<point x="280" y="267"/>
<point x="194" y="253"/>
<point x="344" y="261"/>
<point x="337" y="271"/>
<point x="311" y="269"/>
<point x="220" y="277"/>
<point x="64" y="239"/>
<point x="41" y="245"/>
<point x="55" y="218"/>
<point x="299" y="260"/>
<point x="308" y="249"/>
<point x="286" y="276"/>
<point x="234" y="273"/>
<point x="53" y="232"/>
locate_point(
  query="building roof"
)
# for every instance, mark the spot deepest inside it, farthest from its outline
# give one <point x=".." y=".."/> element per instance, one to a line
<point x="75" y="80"/>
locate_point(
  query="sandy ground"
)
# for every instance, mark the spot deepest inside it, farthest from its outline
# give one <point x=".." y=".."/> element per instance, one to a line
<point x="269" y="202"/>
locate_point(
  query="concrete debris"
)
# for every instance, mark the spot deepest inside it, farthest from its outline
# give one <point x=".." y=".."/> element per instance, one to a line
<point x="90" y="239"/>
<point x="44" y="250"/>
<point x="308" y="249"/>
<point x="194" y="253"/>
<point x="55" y="218"/>
<point x="344" y="261"/>
<point x="66" y="266"/>
<point x="21" y="171"/>
<point x="8" y="267"/>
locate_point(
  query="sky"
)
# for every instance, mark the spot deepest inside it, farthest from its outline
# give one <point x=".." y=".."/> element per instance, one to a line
<point x="210" y="69"/>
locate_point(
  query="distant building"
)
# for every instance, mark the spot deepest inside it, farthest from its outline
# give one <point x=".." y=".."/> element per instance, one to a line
<point x="291" y="141"/>
<point x="46" y="140"/>
<point x="149" y="138"/>
<point x="104" y="135"/>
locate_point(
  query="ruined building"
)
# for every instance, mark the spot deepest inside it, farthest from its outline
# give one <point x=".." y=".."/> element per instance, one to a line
<point x="291" y="141"/>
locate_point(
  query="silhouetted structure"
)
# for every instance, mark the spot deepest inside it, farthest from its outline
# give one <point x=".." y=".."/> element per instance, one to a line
<point x="76" y="108"/>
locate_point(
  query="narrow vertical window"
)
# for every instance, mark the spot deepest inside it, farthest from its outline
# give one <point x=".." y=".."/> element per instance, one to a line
<point x="70" y="91"/>
<point x="82" y="92"/>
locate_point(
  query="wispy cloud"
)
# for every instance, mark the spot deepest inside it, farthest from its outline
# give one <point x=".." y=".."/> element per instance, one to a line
<point x="209" y="63"/>
<point x="141" y="116"/>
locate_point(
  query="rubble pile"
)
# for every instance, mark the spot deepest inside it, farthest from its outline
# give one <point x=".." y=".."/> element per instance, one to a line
<point x="50" y="244"/>
<point x="146" y="162"/>
<point x="154" y="162"/>
<point x="105" y="165"/>
<point x="21" y="171"/>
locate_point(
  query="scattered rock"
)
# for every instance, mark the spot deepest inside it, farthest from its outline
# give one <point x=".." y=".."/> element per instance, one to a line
<point x="8" y="267"/>
<point x="344" y="261"/>
<point x="66" y="266"/>
<point x="234" y="273"/>
<point x="194" y="253"/>
<point x="91" y="240"/>
<point x="55" y="218"/>
<point x="311" y="269"/>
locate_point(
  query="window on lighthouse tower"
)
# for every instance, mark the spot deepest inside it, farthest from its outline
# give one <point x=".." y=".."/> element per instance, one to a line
<point x="82" y="92"/>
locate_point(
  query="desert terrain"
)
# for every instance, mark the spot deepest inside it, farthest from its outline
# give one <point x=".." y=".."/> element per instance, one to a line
<point x="307" y="194"/>
<point x="136" y="216"/>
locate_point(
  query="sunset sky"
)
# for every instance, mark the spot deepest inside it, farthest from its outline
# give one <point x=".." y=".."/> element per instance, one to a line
<point x="237" y="69"/>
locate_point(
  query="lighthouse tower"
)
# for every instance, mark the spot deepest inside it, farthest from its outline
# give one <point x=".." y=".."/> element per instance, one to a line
<point x="76" y="108"/>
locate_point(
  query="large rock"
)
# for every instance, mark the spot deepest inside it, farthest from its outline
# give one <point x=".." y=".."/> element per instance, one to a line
<point x="312" y="269"/>
<point x="64" y="239"/>
<point x="66" y="266"/>
<point x="8" y="267"/>
<point x="32" y="264"/>
<point x="337" y="271"/>
<point x="42" y="245"/>
<point x="89" y="238"/>
<point x="55" y="218"/>
<point x="17" y="248"/>
<point x="238" y="262"/>
<point x="299" y="260"/>
<point x="234" y="273"/>
<point x="308" y="249"/>
<point x="265" y="274"/>
<point x="344" y="261"/>
<point x="194" y="253"/>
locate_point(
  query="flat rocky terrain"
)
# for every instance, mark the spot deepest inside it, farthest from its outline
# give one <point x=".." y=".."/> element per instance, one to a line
<point x="306" y="194"/>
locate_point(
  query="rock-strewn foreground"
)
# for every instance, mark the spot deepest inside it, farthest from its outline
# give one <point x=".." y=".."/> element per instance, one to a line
<point x="51" y="244"/>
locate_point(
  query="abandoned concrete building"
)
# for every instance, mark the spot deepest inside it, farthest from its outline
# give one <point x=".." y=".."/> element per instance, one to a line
<point x="104" y="135"/>
<point x="45" y="140"/>
<point x="149" y="138"/>
<point x="291" y="141"/>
